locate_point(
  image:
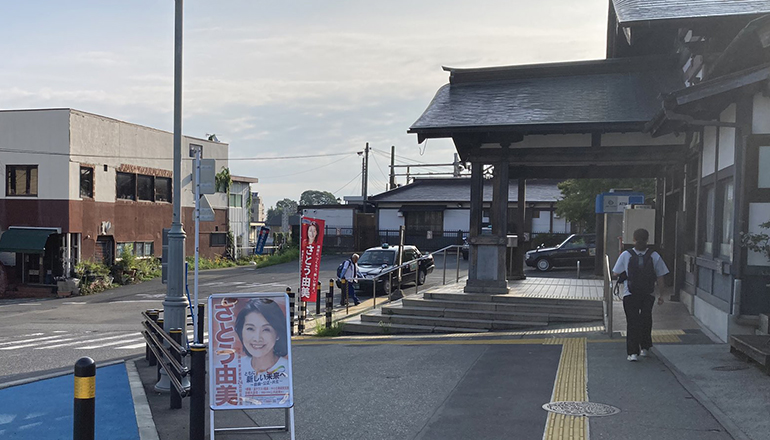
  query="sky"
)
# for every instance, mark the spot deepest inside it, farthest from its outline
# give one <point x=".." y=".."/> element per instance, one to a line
<point x="276" y="79"/>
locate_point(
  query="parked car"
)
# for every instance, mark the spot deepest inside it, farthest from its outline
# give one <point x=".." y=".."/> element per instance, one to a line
<point x="575" y="248"/>
<point x="377" y="260"/>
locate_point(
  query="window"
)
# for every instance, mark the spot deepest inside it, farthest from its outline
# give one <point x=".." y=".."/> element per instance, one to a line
<point x="727" y="208"/>
<point x="124" y="247"/>
<point x="218" y="239"/>
<point x="764" y="164"/>
<point x="423" y="221"/>
<point x="21" y="180"/>
<point x="139" y="248"/>
<point x="163" y="189"/>
<point x="86" y="182"/>
<point x="236" y="200"/>
<point x="126" y="186"/>
<point x="144" y="188"/>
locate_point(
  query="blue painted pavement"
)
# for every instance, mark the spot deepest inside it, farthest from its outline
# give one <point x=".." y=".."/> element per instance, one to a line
<point x="43" y="409"/>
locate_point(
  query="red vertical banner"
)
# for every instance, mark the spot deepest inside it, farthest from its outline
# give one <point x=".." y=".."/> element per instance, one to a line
<point x="310" y="257"/>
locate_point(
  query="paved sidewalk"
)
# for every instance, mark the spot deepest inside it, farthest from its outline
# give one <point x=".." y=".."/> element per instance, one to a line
<point x="492" y="386"/>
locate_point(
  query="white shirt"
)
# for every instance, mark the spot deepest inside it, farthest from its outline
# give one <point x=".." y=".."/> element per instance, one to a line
<point x="622" y="266"/>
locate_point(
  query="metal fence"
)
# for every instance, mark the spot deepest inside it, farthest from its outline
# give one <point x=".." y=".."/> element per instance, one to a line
<point x="338" y="239"/>
<point x="426" y="242"/>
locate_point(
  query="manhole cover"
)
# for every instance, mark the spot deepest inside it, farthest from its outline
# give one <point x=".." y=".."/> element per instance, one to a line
<point x="588" y="409"/>
<point x="731" y="368"/>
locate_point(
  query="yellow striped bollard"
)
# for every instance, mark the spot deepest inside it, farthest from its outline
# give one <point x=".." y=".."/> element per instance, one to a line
<point x="85" y="399"/>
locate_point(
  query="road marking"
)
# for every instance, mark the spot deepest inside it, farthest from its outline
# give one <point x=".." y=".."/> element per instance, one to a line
<point x="135" y="301"/>
<point x="91" y="347"/>
<point x="570" y="386"/>
<point x="21" y="336"/>
<point x="34" y="345"/>
<point x="74" y="303"/>
<point x="67" y="344"/>
<point x="132" y="346"/>
<point x="28" y="340"/>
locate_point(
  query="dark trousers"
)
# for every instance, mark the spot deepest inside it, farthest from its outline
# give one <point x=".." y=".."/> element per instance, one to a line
<point x="638" y="310"/>
<point x="351" y="295"/>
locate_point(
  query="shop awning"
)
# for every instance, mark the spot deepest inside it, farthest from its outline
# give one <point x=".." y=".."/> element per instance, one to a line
<point x="28" y="241"/>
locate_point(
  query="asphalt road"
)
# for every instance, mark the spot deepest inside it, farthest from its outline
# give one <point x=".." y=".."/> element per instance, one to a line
<point x="41" y="336"/>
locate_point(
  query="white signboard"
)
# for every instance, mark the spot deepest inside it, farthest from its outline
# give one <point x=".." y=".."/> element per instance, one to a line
<point x="206" y="212"/>
<point x="208" y="176"/>
<point x="249" y="351"/>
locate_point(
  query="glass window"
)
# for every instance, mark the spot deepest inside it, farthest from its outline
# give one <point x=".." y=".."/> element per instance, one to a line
<point x="86" y="182"/>
<point x="21" y="180"/>
<point x="708" y="213"/>
<point x="163" y="189"/>
<point x="121" y="247"/>
<point x="218" y="239"/>
<point x="126" y="186"/>
<point x="236" y="200"/>
<point x="728" y="209"/>
<point x="144" y="187"/>
<point x="423" y="221"/>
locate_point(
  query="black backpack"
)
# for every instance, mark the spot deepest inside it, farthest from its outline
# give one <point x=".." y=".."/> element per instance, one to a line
<point x="641" y="277"/>
<point x="340" y="268"/>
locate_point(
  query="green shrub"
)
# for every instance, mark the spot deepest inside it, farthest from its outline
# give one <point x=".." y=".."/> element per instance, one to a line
<point x="335" y="330"/>
<point x="94" y="277"/>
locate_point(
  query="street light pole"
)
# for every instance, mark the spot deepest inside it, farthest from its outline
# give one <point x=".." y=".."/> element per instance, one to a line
<point x="175" y="303"/>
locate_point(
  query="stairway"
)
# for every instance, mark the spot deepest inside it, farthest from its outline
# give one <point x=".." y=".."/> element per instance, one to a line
<point x="449" y="312"/>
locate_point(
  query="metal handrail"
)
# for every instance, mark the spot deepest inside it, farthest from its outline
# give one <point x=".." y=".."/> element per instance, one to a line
<point x="158" y="330"/>
<point x="607" y="295"/>
<point x="160" y="354"/>
<point x="152" y="340"/>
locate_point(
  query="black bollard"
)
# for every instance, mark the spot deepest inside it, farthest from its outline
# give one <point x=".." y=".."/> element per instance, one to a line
<point x="198" y="392"/>
<point x="148" y="354"/>
<point x="329" y="304"/>
<point x="160" y="361"/>
<point x="85" y="398"/>
<point x="344" y="294"/>
<point x="302" y="314"/>
<point x="201" y="313"/>
<point x="318" y="300"/>
<point x="176" y="397"/>
<point x="291" y="310"/>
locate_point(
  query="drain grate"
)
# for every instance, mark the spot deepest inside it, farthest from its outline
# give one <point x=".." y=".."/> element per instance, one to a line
<point x="731" y="368"/>
<point x="587" y="409"/>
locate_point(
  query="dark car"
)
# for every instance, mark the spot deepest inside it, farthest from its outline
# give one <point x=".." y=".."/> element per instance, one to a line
<point x="377" y="260"/>
<point x="575" y="248"/>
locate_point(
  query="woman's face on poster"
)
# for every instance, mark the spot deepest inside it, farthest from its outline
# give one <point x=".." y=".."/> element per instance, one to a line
<point x="312" y="233"/>
<point x="258" y="335"/>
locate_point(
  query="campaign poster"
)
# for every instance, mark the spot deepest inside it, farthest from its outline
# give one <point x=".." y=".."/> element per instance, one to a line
<point x="264" y="232"/>
<point x="249" y="351"/>
<point x="310" y="257"/>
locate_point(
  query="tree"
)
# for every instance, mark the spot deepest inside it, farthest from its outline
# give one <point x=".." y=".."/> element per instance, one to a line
<point x="313" y="197"/>
<point x="579" y="197"/>
<point x="274" y="215"/>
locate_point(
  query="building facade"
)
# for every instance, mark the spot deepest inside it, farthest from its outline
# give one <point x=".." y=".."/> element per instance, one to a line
<point x="80" y="186"/>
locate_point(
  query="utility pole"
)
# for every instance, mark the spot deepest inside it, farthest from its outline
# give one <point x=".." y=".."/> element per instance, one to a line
<point x="365" y="173"/>
<point x="392" y="167"/>
<point x="175" y="303"/>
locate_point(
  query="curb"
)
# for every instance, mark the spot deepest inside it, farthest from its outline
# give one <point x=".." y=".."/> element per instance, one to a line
<point x="66" y="372"/>
<point x="144" y="420"/>
<point x="722" y="418"/>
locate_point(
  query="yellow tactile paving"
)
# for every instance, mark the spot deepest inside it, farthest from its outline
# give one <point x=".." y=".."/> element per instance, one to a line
<point x="570" y="386"/>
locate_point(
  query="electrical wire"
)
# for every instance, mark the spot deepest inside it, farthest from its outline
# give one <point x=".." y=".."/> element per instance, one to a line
<point x="105" y="156"/>
<point x="343" y="186"/>
<point x="374" y="156"/>
<point x="305" y="171"/>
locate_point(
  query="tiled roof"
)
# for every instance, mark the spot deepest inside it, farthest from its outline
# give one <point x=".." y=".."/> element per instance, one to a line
<point x="630" y="11"/>
<point x="458" y="190"/>
<point x="540" y="96"/>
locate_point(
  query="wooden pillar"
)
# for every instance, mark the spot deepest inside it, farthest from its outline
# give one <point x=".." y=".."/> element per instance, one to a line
<point x="476" y="213"/>
<point x="521" y="217"/>
<point x="499" y="215"/>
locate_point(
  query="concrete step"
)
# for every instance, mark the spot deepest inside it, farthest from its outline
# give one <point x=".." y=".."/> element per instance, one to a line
<point x="542" y="315"/>
<point x="510" y="299"/>
<point x="578" y="311"/>
<point x="383" y="328"/>
<point x="486" y="324"/>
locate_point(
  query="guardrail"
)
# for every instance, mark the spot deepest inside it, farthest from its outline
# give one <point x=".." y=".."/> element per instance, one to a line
<point x="607" y="295"/>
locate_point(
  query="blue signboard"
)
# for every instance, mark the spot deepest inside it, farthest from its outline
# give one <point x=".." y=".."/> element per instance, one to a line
<point x="261" y="240"/>
<point x="616" y="202"/>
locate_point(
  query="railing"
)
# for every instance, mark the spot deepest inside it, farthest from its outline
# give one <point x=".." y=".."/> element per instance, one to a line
<point x="607" y="295"/>
<point x="168" y="354"/>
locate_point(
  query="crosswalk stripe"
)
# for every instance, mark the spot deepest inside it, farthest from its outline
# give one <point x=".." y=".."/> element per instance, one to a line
<point x="131" y="347"/>
<point x="21" y="336"/>
<point x="67" y="344"/>
<point x="23" y="341"/>
<point x="16" y="347"/>
<point x="91" y="347"/>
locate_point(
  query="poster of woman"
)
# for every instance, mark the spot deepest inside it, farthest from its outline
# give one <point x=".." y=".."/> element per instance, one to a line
<point x="310" y="257"/>
<point x="249" y="351"/>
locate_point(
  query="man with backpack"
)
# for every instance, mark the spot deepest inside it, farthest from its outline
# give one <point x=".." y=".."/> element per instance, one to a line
<point x="640" y="268"/>
<point x="348" y="271"/>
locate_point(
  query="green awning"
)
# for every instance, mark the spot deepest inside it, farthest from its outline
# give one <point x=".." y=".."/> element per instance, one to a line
<point x="28" y="241"/>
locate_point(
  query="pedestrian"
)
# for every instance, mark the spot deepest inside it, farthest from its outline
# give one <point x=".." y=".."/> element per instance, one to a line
<point x="349" y="273"/>
<point x="640" y="268"/>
